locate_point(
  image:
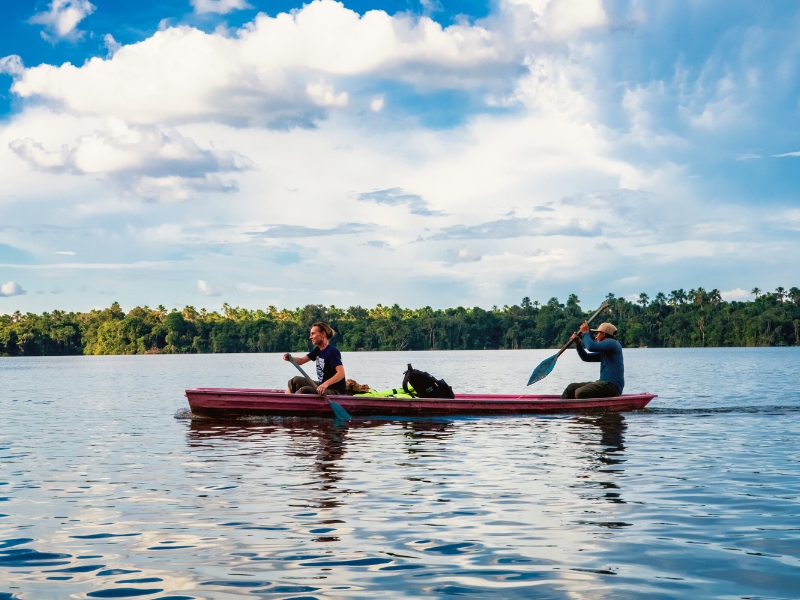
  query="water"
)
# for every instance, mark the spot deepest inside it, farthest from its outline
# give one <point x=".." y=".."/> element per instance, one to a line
<point x="104" y="493"/>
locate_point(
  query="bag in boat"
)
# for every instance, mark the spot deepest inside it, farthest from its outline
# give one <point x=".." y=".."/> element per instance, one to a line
<point x="426" y="385"/>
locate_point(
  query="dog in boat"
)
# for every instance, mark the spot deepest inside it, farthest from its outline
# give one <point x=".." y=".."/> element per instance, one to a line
<point x="353" y="387"/>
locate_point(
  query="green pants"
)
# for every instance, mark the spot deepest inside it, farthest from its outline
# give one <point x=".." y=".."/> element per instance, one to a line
<point x="300" y="385"/>
<point x="590" y="389"/>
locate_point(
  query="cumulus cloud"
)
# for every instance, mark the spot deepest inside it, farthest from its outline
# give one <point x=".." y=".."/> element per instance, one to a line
<point x="204" y="289"/>
<point x="221" y="7"/>
<point x="11" y="288"/>
<point x="61" y="20"/>
<point x="566" y="17"/>
<point x="396" y="197"/>
<point x="11" y="65"/>
<point x="111" y="44"/>
<point x="736" y="294"/>
<point x="145" y="162"/>
<point x="275" y="67"/>
<point x="550" y="139"/>
<point x="377" y="104"/>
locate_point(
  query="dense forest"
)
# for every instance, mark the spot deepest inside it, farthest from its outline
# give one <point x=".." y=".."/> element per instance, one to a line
<point x="679" y="319"/>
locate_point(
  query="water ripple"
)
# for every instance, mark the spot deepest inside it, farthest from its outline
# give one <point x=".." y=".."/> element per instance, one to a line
<point x="697" y="496"/>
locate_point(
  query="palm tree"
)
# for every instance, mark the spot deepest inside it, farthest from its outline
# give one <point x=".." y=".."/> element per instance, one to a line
<point x="780" y="293"/>
<point x="794" y="295"/>
<point x="756" y="292"/>
<point x="661" y="298"/>
<point x="699" y="296"/>
<point x="644" y="300"/>
<point x="715" y="297"/>
<point x="673" y="298"/>
<point x="573" y="300"/>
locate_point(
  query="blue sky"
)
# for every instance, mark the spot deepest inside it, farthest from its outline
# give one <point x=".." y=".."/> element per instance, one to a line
<point x="436" y="153"/>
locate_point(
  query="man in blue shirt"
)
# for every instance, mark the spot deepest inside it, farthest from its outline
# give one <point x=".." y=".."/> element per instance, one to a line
<point x="330" y="371"/>
<point x="606" y="350"/>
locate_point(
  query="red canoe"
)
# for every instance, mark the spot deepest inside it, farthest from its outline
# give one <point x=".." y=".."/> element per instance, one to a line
<point x="229" y="402"/>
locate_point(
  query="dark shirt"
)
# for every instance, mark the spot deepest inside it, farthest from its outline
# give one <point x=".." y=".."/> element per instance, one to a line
<point x="609" y="354"/>
<point x="327" y="361"/>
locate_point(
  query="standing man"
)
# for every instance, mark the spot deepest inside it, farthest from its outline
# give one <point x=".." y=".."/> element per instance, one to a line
<point x="606" y="350"/>
<point x="330" y="371"/>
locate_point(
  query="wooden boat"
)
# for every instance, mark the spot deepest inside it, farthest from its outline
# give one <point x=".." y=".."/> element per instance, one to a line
<point x="231" y="402"/>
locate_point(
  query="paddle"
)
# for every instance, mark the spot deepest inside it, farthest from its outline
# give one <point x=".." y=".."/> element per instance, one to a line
<point x="338" y="410"/>
<point x="544" y="368"/>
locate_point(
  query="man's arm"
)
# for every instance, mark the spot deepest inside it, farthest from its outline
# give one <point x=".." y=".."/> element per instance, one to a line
<point x="300" y="360"/>
<point x="595" y="346"/>
<point x="329" y="382"/>
<point x="576" y="339"/>
<point x="586" y="356"/>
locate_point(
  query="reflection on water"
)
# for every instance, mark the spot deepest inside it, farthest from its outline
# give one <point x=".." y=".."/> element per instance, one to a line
<point x="104" y="494"/>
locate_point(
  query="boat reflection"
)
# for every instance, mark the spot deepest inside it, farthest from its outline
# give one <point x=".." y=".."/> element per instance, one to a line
<point x="603" y="454"/>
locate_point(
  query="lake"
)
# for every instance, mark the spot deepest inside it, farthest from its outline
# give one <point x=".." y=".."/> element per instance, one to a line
<point x="110" y="489"/>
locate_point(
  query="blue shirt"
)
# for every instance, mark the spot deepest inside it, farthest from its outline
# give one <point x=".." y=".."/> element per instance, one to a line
<point x="327" y="360"/>
<point x="609" y="354"/>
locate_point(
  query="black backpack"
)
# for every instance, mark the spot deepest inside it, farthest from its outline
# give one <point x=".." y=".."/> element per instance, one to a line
<point x="426" y="385"/>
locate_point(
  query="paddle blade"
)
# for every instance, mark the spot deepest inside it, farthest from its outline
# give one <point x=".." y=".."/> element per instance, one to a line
<point x="543" y="370"/>
<point x="339" y="411"/>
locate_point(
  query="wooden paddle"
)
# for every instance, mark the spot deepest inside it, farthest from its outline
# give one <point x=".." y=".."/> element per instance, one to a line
<point x="338" y="409"/>
<point x="544" y="368"/>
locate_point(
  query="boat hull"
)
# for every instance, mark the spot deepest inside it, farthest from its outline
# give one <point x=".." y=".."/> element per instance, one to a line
<point x="231" y="402"/>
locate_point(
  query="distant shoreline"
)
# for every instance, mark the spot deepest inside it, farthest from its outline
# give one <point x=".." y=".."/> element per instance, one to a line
<point x="678" y="320"/>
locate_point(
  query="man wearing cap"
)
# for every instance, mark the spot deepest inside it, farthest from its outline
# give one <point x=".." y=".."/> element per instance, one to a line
<point x="606" y="350"/>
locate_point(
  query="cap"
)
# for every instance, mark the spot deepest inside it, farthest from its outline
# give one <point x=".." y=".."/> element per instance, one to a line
<point x="606" y="328"/>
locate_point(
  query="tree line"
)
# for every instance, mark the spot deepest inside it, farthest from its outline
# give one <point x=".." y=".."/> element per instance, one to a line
<point x="696" y="318"/>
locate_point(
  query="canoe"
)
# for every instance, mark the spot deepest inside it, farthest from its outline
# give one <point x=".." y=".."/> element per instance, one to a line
<point x="231" y="402"/>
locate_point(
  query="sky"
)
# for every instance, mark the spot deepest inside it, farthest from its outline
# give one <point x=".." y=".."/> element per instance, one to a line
<point x="434" y="153"/>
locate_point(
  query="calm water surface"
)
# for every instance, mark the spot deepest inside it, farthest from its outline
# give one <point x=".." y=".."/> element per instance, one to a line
<point x="109" y="489"/>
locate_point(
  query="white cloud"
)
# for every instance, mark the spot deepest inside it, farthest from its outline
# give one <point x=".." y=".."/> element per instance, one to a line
<point x="11" y="65"/>
<point x="377" y="104"/>
<point x="566" y="17"/>
<point x="273" y="67"/>
<point x="464" y="254"/>
<point x="11" y="288"/>
<point x="111" y="44"/>
<point x="205" y="289"/>
<point x="552" y="164"/>
<point x="736" y="294"/>
<point x="785" y="154"/>
<point x="144" y="162"/>
<point x="66" y="252"/>
<point x="61" y="21"/>
<point x="323" y="94"/>
<point x="221" y="7"/>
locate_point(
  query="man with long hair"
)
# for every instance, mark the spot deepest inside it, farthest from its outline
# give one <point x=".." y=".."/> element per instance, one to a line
<point x="330" y="370"/>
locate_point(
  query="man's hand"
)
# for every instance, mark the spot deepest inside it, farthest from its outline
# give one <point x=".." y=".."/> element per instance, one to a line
<point x="575" y="337"/>
<point x="585" y="327"/>
<point x="321" y="389"/>
<point x="287" y="356"/>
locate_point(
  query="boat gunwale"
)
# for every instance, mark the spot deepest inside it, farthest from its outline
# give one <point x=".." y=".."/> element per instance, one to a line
<point x="519" y="398"/>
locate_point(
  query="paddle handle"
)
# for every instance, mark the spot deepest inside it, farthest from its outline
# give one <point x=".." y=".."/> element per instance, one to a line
<point x="603" y="306"/>
<point x="299" y="368"/>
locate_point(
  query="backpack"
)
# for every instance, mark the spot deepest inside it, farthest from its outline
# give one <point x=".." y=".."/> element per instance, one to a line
<point x="425" y="384"/>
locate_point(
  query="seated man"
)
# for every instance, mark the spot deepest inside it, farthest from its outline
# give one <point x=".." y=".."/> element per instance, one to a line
<point x="606" y="350"/>
<point x="330" y="371"/>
